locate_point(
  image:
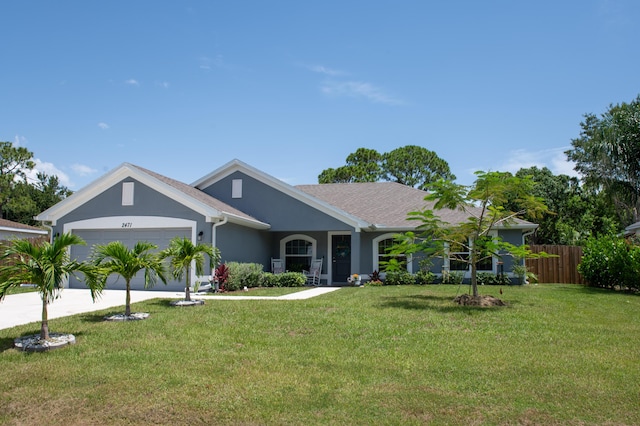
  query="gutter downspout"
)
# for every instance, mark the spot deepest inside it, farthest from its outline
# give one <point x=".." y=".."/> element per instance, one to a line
<point x="50" y="228"/>
<point x="224" y="220"/>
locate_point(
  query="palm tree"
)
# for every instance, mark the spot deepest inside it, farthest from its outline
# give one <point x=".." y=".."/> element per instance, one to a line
<point x="47" y="265"/>
<point x="117" y="258"/>
<point x="183" y="253"/>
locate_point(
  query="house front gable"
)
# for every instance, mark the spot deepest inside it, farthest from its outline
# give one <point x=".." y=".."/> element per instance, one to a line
<point x="268" y="199"/>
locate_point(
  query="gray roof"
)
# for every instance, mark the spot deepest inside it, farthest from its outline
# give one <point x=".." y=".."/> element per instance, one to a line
<point x="385" y="204"/>
<point x="4" y="223"/>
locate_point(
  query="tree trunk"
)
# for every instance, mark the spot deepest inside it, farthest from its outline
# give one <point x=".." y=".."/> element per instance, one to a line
<point x="44" y="326"/>
<point x="187" y="290"/>
<point x="473" y="257"/>
<point x="127" y="305"/>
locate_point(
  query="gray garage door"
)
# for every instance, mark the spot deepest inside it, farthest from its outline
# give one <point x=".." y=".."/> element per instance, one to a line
<point x="159" y="237"/>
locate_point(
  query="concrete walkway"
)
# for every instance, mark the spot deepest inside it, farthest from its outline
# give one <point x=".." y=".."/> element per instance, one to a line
<point x="24" y="308"/>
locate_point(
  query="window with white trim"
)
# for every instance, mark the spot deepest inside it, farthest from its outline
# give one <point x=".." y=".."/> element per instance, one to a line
<point x="298" y="251"/>
<point x="381" y="246"/>
<point x="459" y="259"/>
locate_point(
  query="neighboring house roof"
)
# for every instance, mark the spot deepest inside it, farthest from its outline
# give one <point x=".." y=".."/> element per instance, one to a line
<point x="213" y="209"/>
<point x="386" y="204"/>
<point x="634" y="228"/>
<point x="9" y="226"/>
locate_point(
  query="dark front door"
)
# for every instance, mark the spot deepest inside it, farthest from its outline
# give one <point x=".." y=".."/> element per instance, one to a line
<point x="341" y="258"/>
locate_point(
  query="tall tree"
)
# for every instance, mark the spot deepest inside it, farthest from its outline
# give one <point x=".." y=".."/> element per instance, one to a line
<point x="29" y="199"/>
<point x="364" y="165"/>
<point x="410" y="165"/>
<point x="14" y="162"/>
<point x="607" y="154"/>
<point x="47" y="265"/>
<point x="415" y="166"/>
<point x="183" y="253"/>
<point x="575" y="212"/>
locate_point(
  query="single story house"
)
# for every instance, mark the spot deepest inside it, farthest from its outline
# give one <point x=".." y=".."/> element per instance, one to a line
<point x="252" y="217"/>
<point x="10" y="230"/>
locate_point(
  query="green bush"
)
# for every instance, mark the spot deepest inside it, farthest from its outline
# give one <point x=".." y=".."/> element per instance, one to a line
<point x="270" y="280"/>
<point x="611" y="262"/>
<point x="489" y="278"/>
<point x="425" y="277"/>
<point x="291" y="279"/>
<point x="399" y="278"/>
<point x="452" y="277"/>
<point x="244" y="275"/>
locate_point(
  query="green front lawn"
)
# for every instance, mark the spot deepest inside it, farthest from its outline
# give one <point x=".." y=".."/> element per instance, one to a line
<point x="558" y="355"/>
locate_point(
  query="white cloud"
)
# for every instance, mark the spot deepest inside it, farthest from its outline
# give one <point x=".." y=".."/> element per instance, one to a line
<point x="324" y="70"/>
<point x="163" y="84"/>
<point x="357" y="89"/>
<point x="554" y="159"/>
<point x="103" y="126"/>
<point x="19" y="140"/>
<point x="50" y="170"/>
<point x="132" y="82"/>
<point x="82" y="170"/>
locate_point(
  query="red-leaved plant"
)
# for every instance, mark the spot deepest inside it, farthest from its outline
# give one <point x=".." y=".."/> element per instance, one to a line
<point x="221" y="275"/>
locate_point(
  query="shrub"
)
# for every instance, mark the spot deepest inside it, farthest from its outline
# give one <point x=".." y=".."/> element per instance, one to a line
<point x="611" y="262"/>
<point x="373" y="283"/>
<point x="270" y="280"/>
<point x="489" y="278"/>
<point x="291" y="279"/>
<point x="221" y="275"/>
<point x="243" y="275"/>
<point x="425" y="277"/>
<point x="399" y="278"/>
<point x="452" y="277"/>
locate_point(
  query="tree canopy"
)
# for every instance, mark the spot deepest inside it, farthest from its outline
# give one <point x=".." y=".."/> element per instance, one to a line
<point x="575" y="212"/>
<point x="410" y="165"/>
<point x="607" y="154"/>
<point x="14" y="162"/>
<point x="20" y="198"/>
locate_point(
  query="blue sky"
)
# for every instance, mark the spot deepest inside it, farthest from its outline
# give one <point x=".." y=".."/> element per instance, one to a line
<point x="293" y="87"/>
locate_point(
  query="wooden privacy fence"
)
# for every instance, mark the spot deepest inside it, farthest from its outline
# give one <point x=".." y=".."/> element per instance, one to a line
<point x="562" y="269"/>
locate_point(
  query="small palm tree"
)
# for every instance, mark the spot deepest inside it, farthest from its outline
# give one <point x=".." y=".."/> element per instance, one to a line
<point x="183" y="253"/>
<point x="117" y="258"/>
<point x="47" y="265"/>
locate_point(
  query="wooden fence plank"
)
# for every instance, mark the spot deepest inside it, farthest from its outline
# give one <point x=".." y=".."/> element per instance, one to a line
<point x="561" y="269"/>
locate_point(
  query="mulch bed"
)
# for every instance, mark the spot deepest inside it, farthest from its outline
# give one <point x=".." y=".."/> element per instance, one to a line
<point x="482" y="301"/>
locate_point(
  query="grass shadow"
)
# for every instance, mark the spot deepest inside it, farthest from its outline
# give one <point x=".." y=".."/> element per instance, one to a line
<point x="443" y="304"/>
<point x="6" y="343"/>
<point x="583" y="289"/>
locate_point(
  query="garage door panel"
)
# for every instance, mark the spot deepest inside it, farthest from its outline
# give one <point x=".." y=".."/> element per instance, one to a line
<point x="159" y="237"/>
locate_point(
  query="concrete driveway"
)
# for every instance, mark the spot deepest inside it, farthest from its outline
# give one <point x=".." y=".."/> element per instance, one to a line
<point x="24" y="308"/>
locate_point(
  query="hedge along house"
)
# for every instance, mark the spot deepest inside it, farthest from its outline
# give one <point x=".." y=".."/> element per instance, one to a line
<point x="253" y="217"/>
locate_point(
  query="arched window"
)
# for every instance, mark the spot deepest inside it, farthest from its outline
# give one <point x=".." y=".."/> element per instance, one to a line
<point x="381" y="245"/>
<point x="298" y="251"/>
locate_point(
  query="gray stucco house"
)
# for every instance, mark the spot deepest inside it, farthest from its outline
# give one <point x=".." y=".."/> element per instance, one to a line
<point x="251" y="217"/>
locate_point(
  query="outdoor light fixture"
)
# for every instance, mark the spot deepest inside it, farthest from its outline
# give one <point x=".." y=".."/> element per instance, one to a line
<point x="200" y="234"/>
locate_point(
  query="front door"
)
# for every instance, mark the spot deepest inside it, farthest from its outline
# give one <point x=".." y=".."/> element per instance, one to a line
<point x="341" y="258"/>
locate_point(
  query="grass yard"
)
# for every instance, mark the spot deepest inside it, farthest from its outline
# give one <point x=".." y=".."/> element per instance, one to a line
<point x="557" y="355"/>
